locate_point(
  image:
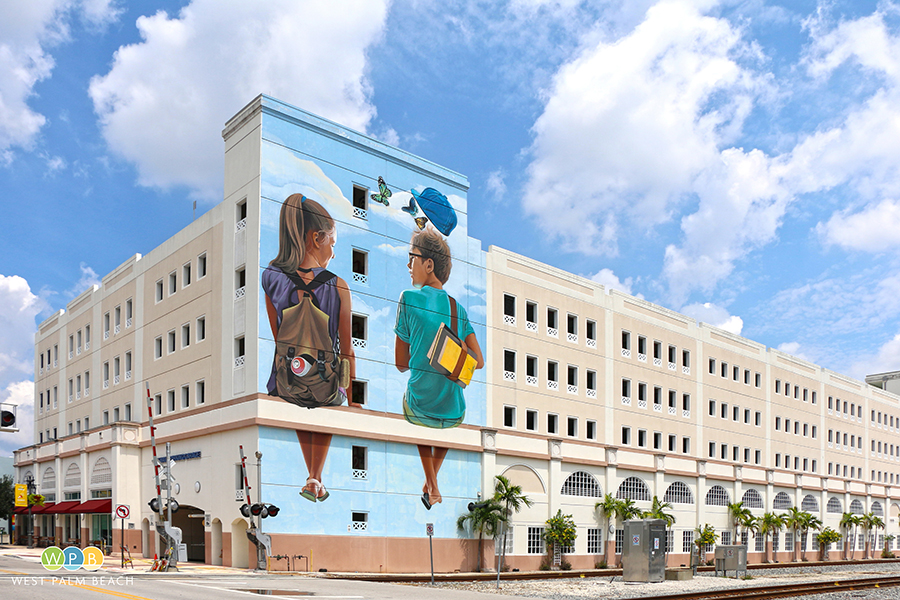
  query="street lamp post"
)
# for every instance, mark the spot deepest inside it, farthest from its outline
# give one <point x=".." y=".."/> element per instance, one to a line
<point x="29" y="481"/>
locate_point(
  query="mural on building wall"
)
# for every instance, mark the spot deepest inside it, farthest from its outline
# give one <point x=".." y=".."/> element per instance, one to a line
<point x="379" y="291"/>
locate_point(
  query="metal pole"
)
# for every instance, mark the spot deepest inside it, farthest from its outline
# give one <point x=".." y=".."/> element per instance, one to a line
<point x="431" y="552"/>
<point x="123" y="542"/>
<point x="173" y="560"/>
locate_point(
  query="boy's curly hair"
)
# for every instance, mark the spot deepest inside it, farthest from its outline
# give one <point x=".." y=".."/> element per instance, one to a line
<point x="432" y="244"/>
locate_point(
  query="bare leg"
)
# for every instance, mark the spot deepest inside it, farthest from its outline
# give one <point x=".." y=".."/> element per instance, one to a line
<point x="305" y="438"/>
<point x="432" y="458"/>
<point x="438" y="455"/>
<point x="321" y="442"/>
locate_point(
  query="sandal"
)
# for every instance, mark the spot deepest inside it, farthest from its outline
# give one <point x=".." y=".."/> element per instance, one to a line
<point x="323" y="493"/>
<point x="310" y="491"/>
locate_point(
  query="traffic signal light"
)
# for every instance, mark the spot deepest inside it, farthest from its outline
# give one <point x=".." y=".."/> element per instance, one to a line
<point x="154" y="505"/>
<point x="260" y="510"/>
<point x="8" y="417"/>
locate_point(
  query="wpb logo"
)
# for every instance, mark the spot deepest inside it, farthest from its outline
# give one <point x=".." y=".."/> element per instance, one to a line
<point x="72" y="558"/>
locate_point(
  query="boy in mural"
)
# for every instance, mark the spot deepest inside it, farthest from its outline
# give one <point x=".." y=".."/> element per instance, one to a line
<point x="309" y="312"/>
<point x="431" y="399"/>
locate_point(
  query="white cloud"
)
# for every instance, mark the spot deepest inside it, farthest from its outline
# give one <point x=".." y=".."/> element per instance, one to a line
<point x="716" y="316"/>
<point x="793" y="348"/>
<point x="884" y="360"/>
<point x="89" y="278"/>
<point x="20" y="393"/>
<point x="28" y="31"/>
<point x="873" y="229"/>
<point x="18" y="309"/>
<point x="164" y="101"/>
<point x="610" y="281"/>
<point x="496" y="184"/>
<point x="392" y="250"/>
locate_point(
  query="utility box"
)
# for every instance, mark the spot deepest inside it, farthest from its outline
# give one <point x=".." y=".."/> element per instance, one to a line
<point x="644" y="551"/>
<point x="731" y="558"/>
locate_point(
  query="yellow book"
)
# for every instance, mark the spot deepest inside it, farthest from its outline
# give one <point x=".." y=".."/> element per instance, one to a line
<point x="444" y="356"/>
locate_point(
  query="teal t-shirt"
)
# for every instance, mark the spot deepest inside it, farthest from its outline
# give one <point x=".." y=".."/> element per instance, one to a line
<point x="432" y="399"/>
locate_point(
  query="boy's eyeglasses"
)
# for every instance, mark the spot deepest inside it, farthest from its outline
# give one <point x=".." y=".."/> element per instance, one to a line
<point x="411" y="257"/>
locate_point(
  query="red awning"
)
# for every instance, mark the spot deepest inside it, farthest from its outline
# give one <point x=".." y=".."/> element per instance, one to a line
<point x="95" y="506"/>
<point x="41" y="509"/>
<point x="63" y="508"/>
<point x="20" y="510"/>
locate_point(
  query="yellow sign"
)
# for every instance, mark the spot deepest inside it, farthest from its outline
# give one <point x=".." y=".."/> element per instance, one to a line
<point x="21" y="494"/>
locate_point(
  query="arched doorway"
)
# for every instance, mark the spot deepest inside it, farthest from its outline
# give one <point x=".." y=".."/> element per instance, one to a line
<point x="240" y="556"/>
<point x="190" y="520"/>
<point x="216" y="542"/>
<point x="146" y="551"/>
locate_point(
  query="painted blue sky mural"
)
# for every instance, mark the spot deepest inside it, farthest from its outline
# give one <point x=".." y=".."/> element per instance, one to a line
<point x="738" y="161"/>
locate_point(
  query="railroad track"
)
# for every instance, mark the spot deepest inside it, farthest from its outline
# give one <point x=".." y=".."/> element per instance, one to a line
<point x="785" y="590"/>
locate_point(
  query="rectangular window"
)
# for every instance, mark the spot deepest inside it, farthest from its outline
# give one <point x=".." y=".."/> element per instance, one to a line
<point x="736" y="414"/>
<point x="626" y="388"/>
<point x="531" y="418"/>
<point x="185" y="335"/>
<point x="359" y="265"/>
<point x="106" y="417"/>
<point x="129" y="312"/>
<point x="116" y="415"/>
<point x="657" y="397"/>
<point x="359" y="391"/>
<point x="657" y="440"/>
<point x="723" y="410"/>
<point x="746" y="455"/>
<point x="673" y="442"/>
<point x="757" y="457"/>
<point x="171" y="342"/>
<point x="360" y="200"/>
<point x="686" y="445"/>
<point x="158" y="347"/>
<point x="128" y="412"/>
<point x="687" y="541"/>
<point x="642" y="438"/>
<point x="509" y="416"/>
<point x="201" y="393"/>
<point x="758" y="419"/>
<point x="552" y="368"/>
<point x="551" y="321"/>
<point x="509" y="308"/>
<point x="642" y="395"/>
<point x="359" y="458"/>
<point x="509" y="365"/>
<point x="735" y="453"/>
<point x="185" y="396"/>
<point x="591" y="430"/>
<point x="572" y="327"/>
<point x="572" y="378"/>
<point x="712" y="449"/>
<point x="531" y="367"/>
<point x="128" y="365"/>
<point x="777" y="423"/>
<point x="535" y="540"/>
<point x="723" y="451"/>
<point x="201" y="266"/>
<point x="686" y="359"/>
<point x="359" y="521"/>
<point x="552" y="423"/>
<point x="572" y="426"/>
<point x="591" y="332"/>
<point x="173" y="282"/>
<point x="591" y="381"/>
<point x="686" y="402"/>
<point x="531" y="314"/>
<point x="170" y="397"/>
<point x="672" y="398"/>
<point x="594" y="540"/>
<point x="712" y="366"/>
<point x="642" y="347"/>
<point x="657" y="351"/>
<point x="186" y="275"/>
<point x="672" y="352"/>
<point x="712" y="408"/>
<point x="626" y="436"/>
<point x="158" y="401"/>
<point x="159" y="292"/>
<point x="747" y="376"/>
<point x="736" y="373"/>
<point x="626" y="342"/>
<point x="724" y="370"/>
<point x="201" y="329"/>
<point x="358" y="330"/>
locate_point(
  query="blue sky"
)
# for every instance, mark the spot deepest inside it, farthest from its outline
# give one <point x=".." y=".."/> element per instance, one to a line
<point x="736" y="161"/>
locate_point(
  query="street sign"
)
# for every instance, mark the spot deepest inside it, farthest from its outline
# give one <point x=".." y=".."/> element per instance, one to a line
<point x="122" y="511"/>
<point x="21" y="494"/>
<point x="429" y="529"/>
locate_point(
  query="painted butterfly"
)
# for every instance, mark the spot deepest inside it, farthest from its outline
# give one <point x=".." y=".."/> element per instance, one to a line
<point x="420" y="222"/>
<point x="411" y="209"/>
<point x="384" y="193"/>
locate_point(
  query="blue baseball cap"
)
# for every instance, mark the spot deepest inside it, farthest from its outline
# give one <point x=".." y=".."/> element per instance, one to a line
<point x="437" y="208"/>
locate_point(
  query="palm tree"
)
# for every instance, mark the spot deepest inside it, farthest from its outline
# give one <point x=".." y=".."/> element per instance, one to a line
<point x="865" y="521"/>
<point x="607" y="508"/>
<point x="750" y="524"/>
<point x="512" y="499"/>
<point x="810" y="521"/>
<point x="877" y="523"/>
<point x="738" y="513"/>
<point x="625" y="510"/>
<point x="658" y="511"/>
<point x="484" y="518"/>
<point x="850" y="522"/>
<point x="770" y="523"/>
<point x="793" y="520"/>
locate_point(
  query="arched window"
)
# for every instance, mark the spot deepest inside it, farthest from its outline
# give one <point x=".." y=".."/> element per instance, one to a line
<point x="48" y="481"/>
<point x="834" y="506"/>
<point x="717" y="496"/>
<point x="582" y="483"/>
<point x="877" y="510"/>
<point x="73" y="476"/>
<point x="633" y="489"/>
<point x="752" y="499"/>
<point x="809" y="504"/>
<point x="679" y="493"/>
<point x="102" y="473"/>
<point x="782" y="501"/>
<point x="856" y="507"/>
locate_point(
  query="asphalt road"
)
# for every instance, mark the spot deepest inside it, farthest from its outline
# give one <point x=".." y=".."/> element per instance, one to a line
<point x="24" y="578"/>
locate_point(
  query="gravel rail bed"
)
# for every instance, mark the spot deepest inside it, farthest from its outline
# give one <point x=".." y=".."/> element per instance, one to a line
<point x="615" y="589"/>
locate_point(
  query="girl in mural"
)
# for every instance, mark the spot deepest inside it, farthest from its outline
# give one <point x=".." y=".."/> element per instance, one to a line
<point x="431" y="399"/>
<point x="309" y="312"/>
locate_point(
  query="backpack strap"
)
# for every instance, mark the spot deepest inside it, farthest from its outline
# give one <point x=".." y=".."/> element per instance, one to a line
<point x="307" y="288"/>
<point x="461" y="361"/>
